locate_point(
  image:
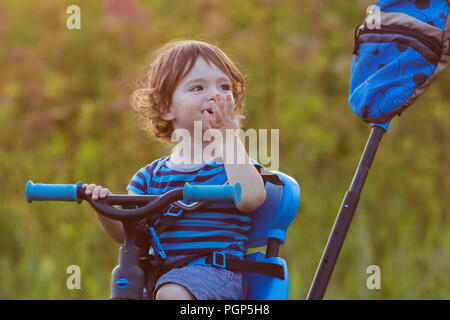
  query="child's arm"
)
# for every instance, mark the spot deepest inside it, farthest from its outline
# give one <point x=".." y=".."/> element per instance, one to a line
<point x="253" y="191"/>
<point x="113" y="228"/>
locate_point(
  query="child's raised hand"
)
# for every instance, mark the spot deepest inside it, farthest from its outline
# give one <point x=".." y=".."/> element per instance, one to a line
<point x="96" y="191"/>
<point x="223" y="113"/>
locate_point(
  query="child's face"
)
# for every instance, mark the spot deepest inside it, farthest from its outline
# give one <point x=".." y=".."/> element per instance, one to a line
<point x="193" y="93"/>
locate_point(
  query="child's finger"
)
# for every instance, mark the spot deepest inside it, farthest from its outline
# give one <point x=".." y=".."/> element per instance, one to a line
<point x="215" y="108"/>
<point x="220" y="102"/>
<point x="229" y="104"/>
<point x="217" y="113"/>
<point x="96" y="192"/>
<point x="225" y="107"/>
<point x="104" y="192"/>
<point x="219" y="98"/>
<point x="89" y="188"/>
<point x="209" y="119"/>
<point x="238" y="120"/>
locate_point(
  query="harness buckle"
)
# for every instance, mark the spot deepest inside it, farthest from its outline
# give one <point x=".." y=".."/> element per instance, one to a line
<point x="156" y="245"/>
<point x="214" y="259"/>
<point x="173" y="214"/>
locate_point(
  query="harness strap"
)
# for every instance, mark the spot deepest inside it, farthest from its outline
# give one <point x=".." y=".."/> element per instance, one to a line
<point x="230" y="262"/>
<point x="169" y="218"/>
<point x="154" y="269"/>
<point x="174" y="211"/>
<point x="215" y="259"/>
<point x="268" y="176"/>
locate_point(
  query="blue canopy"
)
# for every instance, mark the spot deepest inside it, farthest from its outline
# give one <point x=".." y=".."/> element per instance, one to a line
<point x="399" y="49"/>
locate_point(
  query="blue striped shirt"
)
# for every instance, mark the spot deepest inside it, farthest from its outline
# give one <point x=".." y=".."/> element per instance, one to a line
<point x="199" y="230"/>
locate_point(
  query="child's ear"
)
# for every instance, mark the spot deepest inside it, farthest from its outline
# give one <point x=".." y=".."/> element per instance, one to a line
<point x="168" y="116"/>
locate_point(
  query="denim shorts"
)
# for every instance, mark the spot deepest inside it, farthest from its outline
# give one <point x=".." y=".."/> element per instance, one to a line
<point x="207" y="283"/>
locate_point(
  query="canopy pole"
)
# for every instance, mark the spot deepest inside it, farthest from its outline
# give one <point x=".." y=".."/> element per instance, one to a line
<point x="344" y="217"/>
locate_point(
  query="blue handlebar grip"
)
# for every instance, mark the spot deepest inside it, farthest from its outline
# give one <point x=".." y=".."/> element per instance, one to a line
<point x="221" y="193"/>
<point x="55" y="192"/>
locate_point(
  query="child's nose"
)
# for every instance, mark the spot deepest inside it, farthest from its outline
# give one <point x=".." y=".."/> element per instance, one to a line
<point x="214" y="96"/>
<point x="213" y="93"/>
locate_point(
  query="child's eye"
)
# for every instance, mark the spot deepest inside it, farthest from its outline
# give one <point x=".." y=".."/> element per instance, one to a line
<point x="226" y="87"/>
<point x="196" y="87"/>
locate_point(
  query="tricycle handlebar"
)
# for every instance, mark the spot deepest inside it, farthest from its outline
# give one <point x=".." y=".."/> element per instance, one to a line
<point x="73" y="192"/>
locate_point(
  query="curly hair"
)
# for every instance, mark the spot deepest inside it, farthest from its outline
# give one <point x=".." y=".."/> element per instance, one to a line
<point x="152" y="95"/>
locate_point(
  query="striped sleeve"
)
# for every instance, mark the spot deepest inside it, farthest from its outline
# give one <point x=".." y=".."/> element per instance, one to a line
<point x="141" y="180"/>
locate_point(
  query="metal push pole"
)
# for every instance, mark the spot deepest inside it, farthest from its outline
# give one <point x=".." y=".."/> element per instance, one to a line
<point x="344" y="217"/>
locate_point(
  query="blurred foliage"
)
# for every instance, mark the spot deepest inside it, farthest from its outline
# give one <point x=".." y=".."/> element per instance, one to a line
<point x="65" y="117"/>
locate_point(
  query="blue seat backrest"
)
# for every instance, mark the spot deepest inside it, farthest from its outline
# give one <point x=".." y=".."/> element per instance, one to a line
<point x="271" y="220"/>
<point x="274" y="216"/>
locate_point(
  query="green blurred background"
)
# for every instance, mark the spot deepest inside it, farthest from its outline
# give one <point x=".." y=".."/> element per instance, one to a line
<point x="65" y="117"/>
